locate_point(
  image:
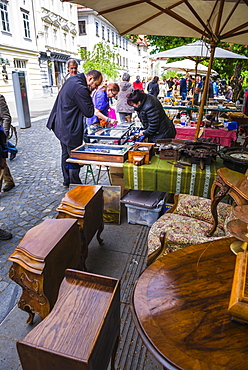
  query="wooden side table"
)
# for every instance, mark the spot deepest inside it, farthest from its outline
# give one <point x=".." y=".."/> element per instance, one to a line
<point x="84" y="203"/>
<point x="230" y="183"/>
<point x="40" y="261"/>
<point x="180" y="308"/>
<point x="82" y="330"/>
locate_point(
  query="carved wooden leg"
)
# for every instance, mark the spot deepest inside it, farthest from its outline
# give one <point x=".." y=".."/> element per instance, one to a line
<point x="100" y="230"/>
<point x="30" y="319"/>
<point x="215" y="201"/>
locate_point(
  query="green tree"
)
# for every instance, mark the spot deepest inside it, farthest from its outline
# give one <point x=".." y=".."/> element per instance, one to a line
<point x="101" y="58"/>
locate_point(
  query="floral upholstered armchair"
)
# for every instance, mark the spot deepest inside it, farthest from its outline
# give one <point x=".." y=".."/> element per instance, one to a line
<point x="186" y="223"/>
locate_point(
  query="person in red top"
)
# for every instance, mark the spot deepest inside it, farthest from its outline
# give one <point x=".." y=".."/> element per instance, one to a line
<point x="138" y="85"/>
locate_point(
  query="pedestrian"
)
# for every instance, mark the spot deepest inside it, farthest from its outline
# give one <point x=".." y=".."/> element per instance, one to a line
<point x="100" y="98"/>
<point x="229" y="93"/>
<point x="198" y="90"/>
<point x="153" y="88"/>
<point x="66" y="118"/>
<point x="5" y="121"/>
<point x="170" y="83"/>
<point x="124" y="110"/>
<point x="137" y="84"/>
<point x="4" y="235"/>
<point x="72" y="69"/>
<point x="162" y="90"/>
<point x="156" y="123"/>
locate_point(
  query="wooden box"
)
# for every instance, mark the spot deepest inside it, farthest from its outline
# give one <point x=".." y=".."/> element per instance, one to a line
<point x="238" y="304"/>
<point x="84" y="203"/>
<point x="40" y="261"/>
<point x="141" y="153"/>
<point x="169" y="148"/>
<point x="101" y="153"/>
<point x="81" y="332"/>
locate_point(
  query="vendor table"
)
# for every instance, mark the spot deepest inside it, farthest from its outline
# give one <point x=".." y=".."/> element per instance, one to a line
<point x="180" y="309"/>
<point x="220" y="136"/>
<point x="162" y="176"/>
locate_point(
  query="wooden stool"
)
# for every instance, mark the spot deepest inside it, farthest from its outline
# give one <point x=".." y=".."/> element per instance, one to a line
<point x="82" y="330"/>
<point x="40" y="261"/>
<point x="85" y="203"/>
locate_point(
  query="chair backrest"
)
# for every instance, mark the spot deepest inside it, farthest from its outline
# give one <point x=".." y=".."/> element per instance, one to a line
<point x="200" y="208"/>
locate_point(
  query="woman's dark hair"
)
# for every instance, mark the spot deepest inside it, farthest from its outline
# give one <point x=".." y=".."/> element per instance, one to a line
<point x="135" y="97"/>
<point x="155" y="79"/>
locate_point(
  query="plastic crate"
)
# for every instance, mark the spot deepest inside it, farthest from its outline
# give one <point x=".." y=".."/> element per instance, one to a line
<point x="142" y="216"/>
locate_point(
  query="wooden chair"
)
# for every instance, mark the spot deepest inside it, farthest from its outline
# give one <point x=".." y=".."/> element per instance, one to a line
<point x="188" y="222"/>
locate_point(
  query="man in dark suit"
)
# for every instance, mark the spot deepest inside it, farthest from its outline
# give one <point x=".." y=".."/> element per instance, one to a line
<point x="66" y="119"/>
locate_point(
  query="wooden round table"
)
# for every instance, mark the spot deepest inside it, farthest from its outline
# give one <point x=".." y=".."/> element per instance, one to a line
<point x="179" y="306"/>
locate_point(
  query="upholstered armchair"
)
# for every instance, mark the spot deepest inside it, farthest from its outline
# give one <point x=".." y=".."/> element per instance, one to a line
<point x="186" y="223"/>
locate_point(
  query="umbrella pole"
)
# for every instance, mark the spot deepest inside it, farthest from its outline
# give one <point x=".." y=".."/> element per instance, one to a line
<point x="205" y="90"/>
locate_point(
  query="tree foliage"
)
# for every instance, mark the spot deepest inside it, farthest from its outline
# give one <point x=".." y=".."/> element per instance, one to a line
<point x="225" y="67"/>
<point x="101" y="58"/>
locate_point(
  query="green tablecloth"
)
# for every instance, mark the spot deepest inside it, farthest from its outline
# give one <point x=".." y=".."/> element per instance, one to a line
<point x="163" y="176"/>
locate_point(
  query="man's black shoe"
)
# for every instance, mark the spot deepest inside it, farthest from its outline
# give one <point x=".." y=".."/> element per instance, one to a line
<point x="12" y="156"/>
<point x="8" y="187"/>
<point x="5" y="235"/>
<point x="66" y="184"/>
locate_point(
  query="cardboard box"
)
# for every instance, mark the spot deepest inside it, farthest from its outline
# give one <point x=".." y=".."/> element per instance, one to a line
<point x="117" y="177"/>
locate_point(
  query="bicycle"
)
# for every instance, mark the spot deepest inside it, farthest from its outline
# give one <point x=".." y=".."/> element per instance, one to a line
<point x="13" y="135"/>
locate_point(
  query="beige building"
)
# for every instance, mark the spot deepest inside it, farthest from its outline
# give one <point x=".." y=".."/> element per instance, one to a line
<point x="37" y="37"/>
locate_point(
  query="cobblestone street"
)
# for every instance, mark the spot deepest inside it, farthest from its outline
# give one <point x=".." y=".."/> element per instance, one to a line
<point x="38" y="191"/>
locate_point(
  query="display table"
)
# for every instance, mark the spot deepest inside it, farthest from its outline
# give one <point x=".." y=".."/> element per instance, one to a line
<point x="220" y="136"/>
<point x="162" y="176"/>
<point x="180" y="308"/>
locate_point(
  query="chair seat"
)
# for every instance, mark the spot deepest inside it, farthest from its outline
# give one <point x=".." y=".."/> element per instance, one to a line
<point x="181" y="231"/>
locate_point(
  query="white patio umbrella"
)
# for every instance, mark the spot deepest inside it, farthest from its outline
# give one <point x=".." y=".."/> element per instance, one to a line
<point x="187" y="65"/>
<point x="196" y="51"/>
<point x="213" y="20"/>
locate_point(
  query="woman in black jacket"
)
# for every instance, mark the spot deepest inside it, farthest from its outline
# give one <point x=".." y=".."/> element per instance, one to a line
<point x="153" y="87"/>
<point x="157" y="124"/>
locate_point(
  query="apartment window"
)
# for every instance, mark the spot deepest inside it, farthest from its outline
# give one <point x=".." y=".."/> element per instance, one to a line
<point x="108" y="32"/>
<point x="103" y="32"/>
<point x="116" y="39"/>
<point x="126" y="63"/>
<point x="113" y="37"/>
<point x="4" y="17"/>
<point x="46" y="34"/>
<point x="126" y="45"/>
<point x="20" y="64"/>
<point x="65" y="39"/>
<point x="97" y="29"/>
<point x="82" y="27"/>
<point x="55" y="35"/>
<point x="120" y="41"/>
<point x="25" y="17"/>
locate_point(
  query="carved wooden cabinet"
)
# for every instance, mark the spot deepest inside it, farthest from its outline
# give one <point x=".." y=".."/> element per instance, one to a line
<point x="82" y="330"/>
<point x="84" y="203"/>
<point x="40" y="261"/>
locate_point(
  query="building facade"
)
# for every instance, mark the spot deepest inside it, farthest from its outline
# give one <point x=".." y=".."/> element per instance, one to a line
<point x="130" y="56"/>
<point x="37" y="37"/>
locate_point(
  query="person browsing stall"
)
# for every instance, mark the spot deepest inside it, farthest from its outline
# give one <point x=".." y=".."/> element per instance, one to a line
<point x="156" y="123"/>
<point x="5" y="121"/>
<point x="100" y="98"/>
<point x="122" y="107"/>
<point x="66" y="118"/>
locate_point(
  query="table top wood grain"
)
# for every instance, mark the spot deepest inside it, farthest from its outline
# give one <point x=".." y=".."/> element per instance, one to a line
<point x="180" y="308"/>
